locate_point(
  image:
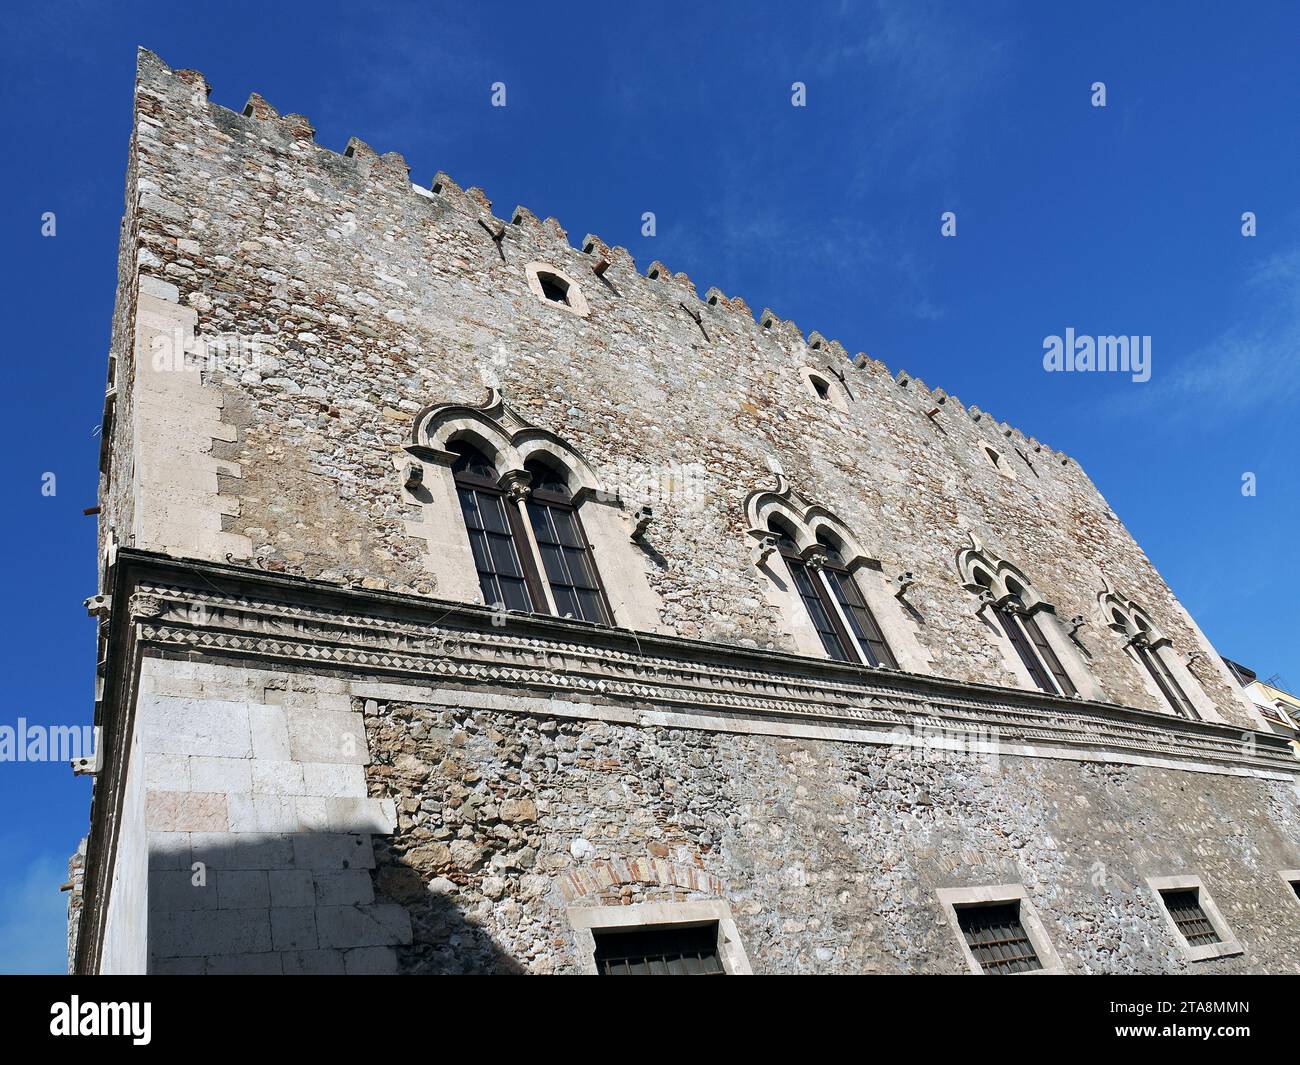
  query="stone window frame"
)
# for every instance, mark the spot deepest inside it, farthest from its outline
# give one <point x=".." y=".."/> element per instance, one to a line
<point x="880" y="592"/>
<point x="979" y="557"/>
<point x="585" y="919"/>
<point x="1159" y="645"/>
<point x="952" y="899"/>
<point x="1228" y="946"/>
<point x="577" y="304"/>
<point x="834" y="390"/>
<point x="998" y="460"/>
<point x="1290" y="879"/>
<point x="512" y="442"/>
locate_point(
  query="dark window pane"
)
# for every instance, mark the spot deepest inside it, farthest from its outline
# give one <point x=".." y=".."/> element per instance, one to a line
<point x="492" y="510"/>
<point x="478" y="546"/>
<point x="504" y="559"/>
<point x="469" y="508"/>
<point x="566" y="601"/>
<point x="863" y="622"/>
<point x="666" y="950"/>
<point x="514" y="593"/>
<point x="580" y="568"/>
<point x="803" y="582"/>
<point x="566" y="531"/>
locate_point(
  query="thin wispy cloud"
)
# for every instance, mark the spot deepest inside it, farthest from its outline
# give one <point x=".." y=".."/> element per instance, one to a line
<point x="1249" y="366"/>
<point x="905" y="77"/>
<point x="33" y="929"/>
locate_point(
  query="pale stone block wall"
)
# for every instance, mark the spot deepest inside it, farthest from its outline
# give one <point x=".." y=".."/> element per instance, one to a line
<point x="256" y="826"/>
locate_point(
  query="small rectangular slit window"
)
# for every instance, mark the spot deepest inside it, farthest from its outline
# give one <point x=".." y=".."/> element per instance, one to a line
<point x="997" y="938"/>
<point x="1295" y="886"/>
<point x="1184" y="907"/>
<point x="664" y="950"/>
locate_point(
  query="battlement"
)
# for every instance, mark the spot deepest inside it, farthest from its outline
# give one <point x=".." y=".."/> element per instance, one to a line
<point x="472" y="206"/>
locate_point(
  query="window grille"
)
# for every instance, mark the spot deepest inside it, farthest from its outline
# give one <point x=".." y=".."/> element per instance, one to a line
<point x="997" y="938"/>
<point x="666" y="950"/>
<point x="1184" y="907"/>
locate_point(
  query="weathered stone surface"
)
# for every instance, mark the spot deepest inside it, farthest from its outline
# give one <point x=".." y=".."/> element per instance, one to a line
<point x="830" y="854"/>
<point x="321" y="779"/>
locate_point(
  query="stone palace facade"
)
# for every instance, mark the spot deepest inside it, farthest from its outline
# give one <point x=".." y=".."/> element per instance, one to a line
<point x="473" y="602"/>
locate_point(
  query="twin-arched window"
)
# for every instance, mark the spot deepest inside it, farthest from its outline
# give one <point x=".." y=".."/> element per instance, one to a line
<point x="1142" y="644"/>
<point x="514" y="525"/>
<point x="1022" y="630"/>
<point x="843" y="620"/>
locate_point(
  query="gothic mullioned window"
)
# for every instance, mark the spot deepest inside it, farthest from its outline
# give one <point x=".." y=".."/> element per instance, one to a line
<point x="844" y="622"/>
<point x="507" y="560"/>
<point x="835" y="598"/>
<point x="1023" y="632"/>
<point x="1032" y="641"/>
<point x="1149" y="647"/>
<point x="512" y="514"/>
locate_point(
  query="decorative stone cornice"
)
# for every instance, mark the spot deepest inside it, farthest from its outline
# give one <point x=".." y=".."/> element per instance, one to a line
<point x="253" y="615"/>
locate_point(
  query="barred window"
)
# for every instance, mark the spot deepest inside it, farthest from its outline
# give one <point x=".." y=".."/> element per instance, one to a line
<point x="566" y="555"/>
<point x="997" y="938"/>
<point x="666" y="950"/>
<point x="1184" y="906"/>
<point x="494" y="532"/>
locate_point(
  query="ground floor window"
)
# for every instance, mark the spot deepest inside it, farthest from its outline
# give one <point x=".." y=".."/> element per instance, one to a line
<point x="667" y="950"/>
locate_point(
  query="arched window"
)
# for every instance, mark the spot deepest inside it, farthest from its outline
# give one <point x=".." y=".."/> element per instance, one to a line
<point x="495" y="532"/>
<point x="566" y="555"/>
<point x="813" y="592"/>
<point x="1026" y="637"/>
<point x="1139" y="634"/>
<point x="866" y="631"/>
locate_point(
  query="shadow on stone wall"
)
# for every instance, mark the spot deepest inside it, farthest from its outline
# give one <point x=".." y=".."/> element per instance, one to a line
<point x="302" y="903"/>
<point x="444" y="939"/>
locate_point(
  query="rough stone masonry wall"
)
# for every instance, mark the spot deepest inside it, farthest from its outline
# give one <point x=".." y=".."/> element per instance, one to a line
<point x="828" y="853"/>
<point x="368" y="301"/>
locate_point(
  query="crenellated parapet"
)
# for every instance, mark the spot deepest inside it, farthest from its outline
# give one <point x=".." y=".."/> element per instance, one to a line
<point x="472" y="208"/>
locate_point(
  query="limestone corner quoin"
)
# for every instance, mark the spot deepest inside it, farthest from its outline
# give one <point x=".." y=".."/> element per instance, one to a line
<point x="323" y="753"/>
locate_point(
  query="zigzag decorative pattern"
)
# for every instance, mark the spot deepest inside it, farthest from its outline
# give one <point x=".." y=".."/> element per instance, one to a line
<point x="873" y="702"/>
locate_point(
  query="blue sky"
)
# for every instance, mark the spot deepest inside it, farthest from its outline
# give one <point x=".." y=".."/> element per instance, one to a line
<point x="1122" y="220"/>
